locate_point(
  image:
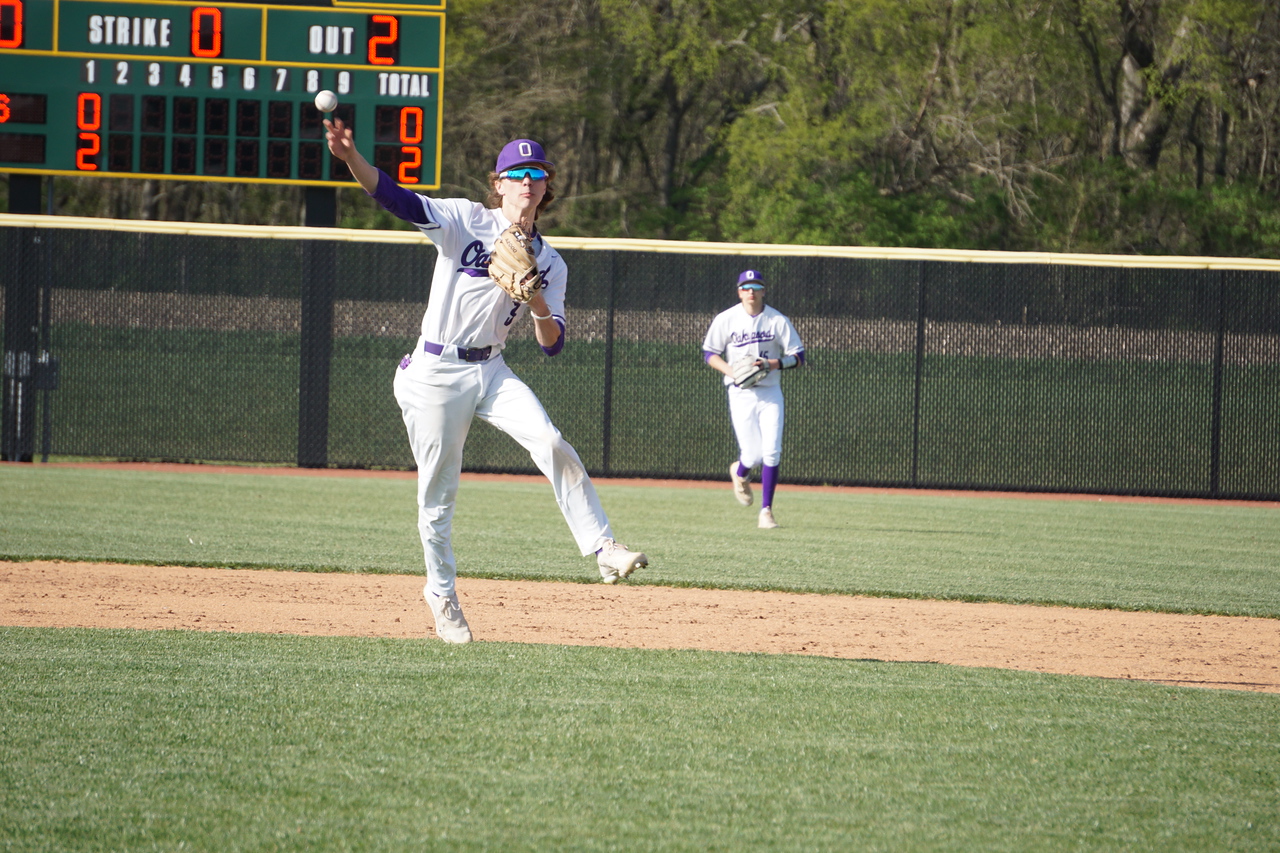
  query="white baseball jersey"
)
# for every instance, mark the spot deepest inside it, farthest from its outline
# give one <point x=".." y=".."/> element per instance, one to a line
<point x="466" y="308"/>
<point x="440" y="390"/>
<point x="735" y="333"/>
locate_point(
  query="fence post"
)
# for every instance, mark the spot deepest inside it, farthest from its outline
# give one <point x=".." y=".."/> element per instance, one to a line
<point x="915" y="412"/>
<point x="316" y="344"/>
<point x="46" y="377"/>
<point x="1215" y="429"/>
<point x="606" y="410"/>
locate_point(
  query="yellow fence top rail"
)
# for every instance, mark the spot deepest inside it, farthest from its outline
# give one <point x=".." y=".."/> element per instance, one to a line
<point x="282" y="232"/>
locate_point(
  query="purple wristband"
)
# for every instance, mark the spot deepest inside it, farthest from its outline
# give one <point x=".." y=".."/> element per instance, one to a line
<point x="555" y="348"/>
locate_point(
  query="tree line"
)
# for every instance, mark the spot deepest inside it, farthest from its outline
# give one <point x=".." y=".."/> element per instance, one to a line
<point x="1108" y="126"/>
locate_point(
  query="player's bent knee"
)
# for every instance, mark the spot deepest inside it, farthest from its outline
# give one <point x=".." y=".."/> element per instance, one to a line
<point x="551" y="439"/>
<point x="549" y="445"/>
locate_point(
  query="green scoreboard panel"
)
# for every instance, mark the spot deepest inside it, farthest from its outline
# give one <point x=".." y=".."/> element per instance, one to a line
<point x="219" y="91"/>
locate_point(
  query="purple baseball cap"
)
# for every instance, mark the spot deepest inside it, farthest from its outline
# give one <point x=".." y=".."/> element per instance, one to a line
<point x="520" y="152"/>
<point x="750" y="280"/>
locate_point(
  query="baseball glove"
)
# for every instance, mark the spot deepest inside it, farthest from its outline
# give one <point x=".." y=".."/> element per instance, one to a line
<point x="749" y="370"/>
<point x="513" y="264"/>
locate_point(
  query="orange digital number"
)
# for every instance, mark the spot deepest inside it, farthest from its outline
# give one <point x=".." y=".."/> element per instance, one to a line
<point x="206" y="28"/>
<point x="88" y="118"/>
<point x="411" y="125"/>
<point x="392" y="36"/>
<point x="406" y="166"/>
<point x="89" y="111"/>
<point x="91" y="145"/>
<point x="11" y="23"/>
<point x="4" y="108"/>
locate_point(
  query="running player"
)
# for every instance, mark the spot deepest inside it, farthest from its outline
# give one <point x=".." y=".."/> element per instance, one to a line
<point x="754" y="329"/>
<point x="456" y="371"/>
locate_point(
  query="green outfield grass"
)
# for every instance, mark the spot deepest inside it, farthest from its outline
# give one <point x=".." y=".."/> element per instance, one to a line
<point x="1182" y="557"/>
<point x="120" y="740"/>
<point x="163" y="740"/>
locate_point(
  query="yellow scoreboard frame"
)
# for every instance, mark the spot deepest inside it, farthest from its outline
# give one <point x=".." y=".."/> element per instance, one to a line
<point x="219" y="91"/>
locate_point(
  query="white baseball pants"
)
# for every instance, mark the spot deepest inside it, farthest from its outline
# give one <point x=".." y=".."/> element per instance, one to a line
<point x="757" y="416"/>
<point x="438" y="397"/>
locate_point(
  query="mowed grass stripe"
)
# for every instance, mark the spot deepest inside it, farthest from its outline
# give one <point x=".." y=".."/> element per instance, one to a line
<point x="129" y="740"/>
<point x="1176" y="557"/>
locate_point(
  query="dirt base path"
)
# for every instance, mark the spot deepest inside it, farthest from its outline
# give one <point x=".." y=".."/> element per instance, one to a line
<point x="1234" y="653"/>
<point x="1205" y="651"/>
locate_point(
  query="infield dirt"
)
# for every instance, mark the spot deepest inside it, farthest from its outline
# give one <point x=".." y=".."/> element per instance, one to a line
<point x="1206" y="651"/>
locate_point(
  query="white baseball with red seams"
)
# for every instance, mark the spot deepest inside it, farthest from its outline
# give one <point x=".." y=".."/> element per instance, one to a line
<point x="326" y="101"/>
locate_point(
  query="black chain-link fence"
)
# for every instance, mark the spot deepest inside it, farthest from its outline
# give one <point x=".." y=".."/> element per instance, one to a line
<point x="977" y="373"/>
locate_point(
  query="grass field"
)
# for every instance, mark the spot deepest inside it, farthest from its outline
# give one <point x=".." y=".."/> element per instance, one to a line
<point x="122" y="740"/>
<point x="166" y="741"/>
<point x="1214" y="558"/>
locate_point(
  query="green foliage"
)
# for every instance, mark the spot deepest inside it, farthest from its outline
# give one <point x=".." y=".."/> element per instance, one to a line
<point x="1109" y="208"/>
<point x="1239" y="220"/>
<point x="798" y="193"/>
<point x="186" y="201"/>
<point x="1065" y="125"/>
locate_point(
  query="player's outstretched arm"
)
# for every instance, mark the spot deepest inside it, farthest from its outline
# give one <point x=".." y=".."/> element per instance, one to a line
<point x="342" y="144"/>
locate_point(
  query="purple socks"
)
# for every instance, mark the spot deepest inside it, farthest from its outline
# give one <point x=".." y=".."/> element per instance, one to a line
<point x="768" y="482"/>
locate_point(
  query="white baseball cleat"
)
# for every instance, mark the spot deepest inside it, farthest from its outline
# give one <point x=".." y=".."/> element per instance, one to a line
<point x="616" y="562"/>
<point x="741" y="486"/>
<point x="451" y="625"/>
<point x="766" y="519"/>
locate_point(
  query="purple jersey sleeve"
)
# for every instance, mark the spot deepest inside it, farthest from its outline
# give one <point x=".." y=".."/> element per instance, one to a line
<point x="400" y="202"/>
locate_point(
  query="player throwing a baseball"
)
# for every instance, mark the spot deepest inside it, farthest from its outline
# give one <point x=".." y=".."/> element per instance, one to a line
<point x="750" y="343"/>
<point x="456" y="371"/>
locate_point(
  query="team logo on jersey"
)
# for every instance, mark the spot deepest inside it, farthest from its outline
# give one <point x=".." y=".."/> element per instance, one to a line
<point x="475" y="260"/>
<point x="741" y="339"/>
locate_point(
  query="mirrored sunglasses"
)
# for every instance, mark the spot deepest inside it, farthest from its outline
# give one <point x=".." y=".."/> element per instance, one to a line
<point x="524" y="172"/>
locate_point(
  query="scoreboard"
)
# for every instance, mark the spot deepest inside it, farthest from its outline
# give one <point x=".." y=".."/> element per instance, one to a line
<point x="219" y="91"/>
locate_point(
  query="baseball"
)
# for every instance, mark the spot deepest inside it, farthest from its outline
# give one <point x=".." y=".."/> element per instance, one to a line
<point x="326" y="101"/>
